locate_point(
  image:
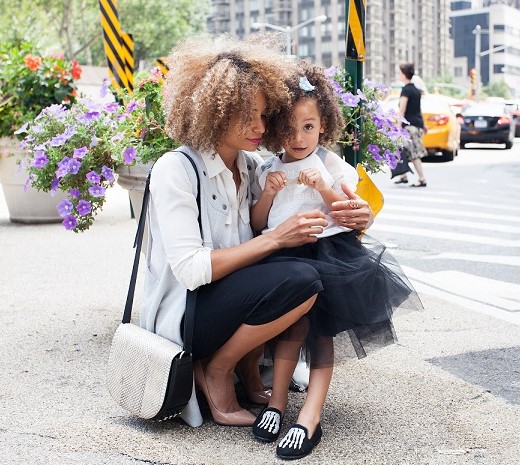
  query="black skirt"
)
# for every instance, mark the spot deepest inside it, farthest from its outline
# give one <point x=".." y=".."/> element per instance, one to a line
<point x="363" y="285"/>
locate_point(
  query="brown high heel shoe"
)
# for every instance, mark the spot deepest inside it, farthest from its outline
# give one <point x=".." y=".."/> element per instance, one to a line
<point x="240" y="418"/>
<point x="256" y="397"/>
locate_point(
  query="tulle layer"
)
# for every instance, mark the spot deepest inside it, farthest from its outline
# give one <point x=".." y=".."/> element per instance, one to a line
<point x="363" y="285"/>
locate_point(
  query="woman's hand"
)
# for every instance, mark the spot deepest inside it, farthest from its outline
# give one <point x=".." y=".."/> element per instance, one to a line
<point x="299" y="229"/>
<point x="353" y="212"/>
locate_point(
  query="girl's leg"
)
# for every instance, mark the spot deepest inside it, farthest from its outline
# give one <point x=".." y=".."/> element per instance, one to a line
<point x="322" y="364"/>
<point x="286" y="356"/>
<point x="219" y="370"/>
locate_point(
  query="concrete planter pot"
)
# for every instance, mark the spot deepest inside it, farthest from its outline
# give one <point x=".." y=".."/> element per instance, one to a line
<point x="133" y="178"/>
<point x="24" y="205"/>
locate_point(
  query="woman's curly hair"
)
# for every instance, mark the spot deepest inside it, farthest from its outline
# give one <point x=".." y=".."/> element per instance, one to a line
<point x="279" y="127"/>
<point x="212" y="79"/>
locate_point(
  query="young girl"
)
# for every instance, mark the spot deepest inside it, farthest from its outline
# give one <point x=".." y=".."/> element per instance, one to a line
<point x="362" y="283"/>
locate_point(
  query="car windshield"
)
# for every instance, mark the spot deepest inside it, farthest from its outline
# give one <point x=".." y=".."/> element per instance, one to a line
<point x="485" y="109"/>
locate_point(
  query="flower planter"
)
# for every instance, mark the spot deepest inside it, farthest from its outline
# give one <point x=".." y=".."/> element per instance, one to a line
<point x="133" y="178"/>
<point x="24" y="205"/>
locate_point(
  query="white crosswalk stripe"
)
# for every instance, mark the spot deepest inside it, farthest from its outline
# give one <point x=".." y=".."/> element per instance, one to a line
<point x="454" y="246"/>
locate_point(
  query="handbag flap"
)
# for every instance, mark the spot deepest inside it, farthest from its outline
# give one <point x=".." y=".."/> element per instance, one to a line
<point x="139" y="369"/>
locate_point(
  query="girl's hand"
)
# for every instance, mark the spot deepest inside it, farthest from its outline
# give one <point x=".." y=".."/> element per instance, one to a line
<point x="299" y="229"/>
<point x="274" y="182"/>
<point x="311" y="177"/>
<point x="353" y="213"/>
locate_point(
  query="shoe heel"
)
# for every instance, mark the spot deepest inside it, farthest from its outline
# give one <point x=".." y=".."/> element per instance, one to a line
<point x="240" y="418"/>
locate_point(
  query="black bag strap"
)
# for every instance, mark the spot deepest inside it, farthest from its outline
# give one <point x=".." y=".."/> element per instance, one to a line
<point x="191" y="296"/>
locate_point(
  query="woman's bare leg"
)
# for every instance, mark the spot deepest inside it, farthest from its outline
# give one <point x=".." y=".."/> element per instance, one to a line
<point x="219" y="370"/>
<point x="417" y="163"/>
<point x="248" y="369"/>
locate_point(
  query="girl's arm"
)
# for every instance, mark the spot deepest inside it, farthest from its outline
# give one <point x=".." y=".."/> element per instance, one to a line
<point x="275" y="181"/>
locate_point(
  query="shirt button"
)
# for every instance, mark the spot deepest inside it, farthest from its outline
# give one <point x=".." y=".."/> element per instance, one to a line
<point x="214" y="197"/>
<point x="204" y="173"/>
<point x="224" y="207"/>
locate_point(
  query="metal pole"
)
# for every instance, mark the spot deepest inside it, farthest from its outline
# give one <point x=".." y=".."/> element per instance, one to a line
<point x="288" y="38"/>
<point x="354" y="57"/>
<point x="477" y="32"/>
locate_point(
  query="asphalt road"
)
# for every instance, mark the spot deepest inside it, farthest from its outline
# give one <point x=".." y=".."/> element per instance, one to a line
<point x="431" y="399"/>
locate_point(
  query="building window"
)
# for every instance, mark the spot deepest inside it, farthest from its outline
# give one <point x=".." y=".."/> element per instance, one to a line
<point x="499" y="69"/>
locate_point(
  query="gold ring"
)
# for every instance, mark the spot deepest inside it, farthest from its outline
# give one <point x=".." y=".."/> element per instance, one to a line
<point x="353" y="204"/>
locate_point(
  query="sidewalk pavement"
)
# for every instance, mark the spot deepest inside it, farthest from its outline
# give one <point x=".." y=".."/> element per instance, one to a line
<point x="61" y="299"/>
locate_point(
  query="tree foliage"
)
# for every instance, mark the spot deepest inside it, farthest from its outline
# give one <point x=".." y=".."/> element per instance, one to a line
<point x="498" y="89"/>
<point x="74" y="27"/>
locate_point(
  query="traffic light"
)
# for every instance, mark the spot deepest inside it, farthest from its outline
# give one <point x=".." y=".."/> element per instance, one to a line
<point x="473" y="77"/>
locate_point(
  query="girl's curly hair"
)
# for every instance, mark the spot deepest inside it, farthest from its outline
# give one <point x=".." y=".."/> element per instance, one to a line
<point x="279" y="127"/>
<point x="212" y="79"/>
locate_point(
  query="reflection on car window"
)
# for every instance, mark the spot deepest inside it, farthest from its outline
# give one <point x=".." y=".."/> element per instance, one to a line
<point x="485" y="109"/>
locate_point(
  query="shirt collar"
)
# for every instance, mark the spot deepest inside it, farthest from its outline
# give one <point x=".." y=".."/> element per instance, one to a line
<point x="215" y="165"/>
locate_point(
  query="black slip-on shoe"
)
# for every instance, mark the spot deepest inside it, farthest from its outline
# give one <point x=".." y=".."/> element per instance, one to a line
<point x="296" y="445"/>
<point x="266" y="427"/>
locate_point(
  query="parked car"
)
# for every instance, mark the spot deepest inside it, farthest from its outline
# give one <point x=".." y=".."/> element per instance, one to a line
<point x="514" y="108"/>
<point x="442" y="138"/>
<point x="490" y="123"/>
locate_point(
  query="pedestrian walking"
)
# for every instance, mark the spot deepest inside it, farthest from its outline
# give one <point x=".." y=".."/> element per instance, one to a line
<point x="410" y="109"/>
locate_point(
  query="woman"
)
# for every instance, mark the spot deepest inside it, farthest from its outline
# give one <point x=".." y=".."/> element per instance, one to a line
<point x="410" y="109"/>
<point x="218" y="95"/>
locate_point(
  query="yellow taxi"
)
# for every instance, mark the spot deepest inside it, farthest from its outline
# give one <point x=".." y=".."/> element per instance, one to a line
<point x="442" y="138"/>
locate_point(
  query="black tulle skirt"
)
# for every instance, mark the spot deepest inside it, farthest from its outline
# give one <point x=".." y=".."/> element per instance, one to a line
<point x="363" y="286"/>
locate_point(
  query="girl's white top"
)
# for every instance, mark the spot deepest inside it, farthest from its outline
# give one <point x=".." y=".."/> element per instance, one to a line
<point x="296" y="198"/>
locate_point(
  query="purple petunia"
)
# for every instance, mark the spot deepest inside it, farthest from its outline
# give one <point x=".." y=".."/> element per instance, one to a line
<point x="64" y="207"/>
<point x="374" y="149"/>
<point x="129" y="155"/>
<point x="63" y="167"/>
<point x="111" y="107"/>
<point x="107" y="173"/>
<point x="350" y="100"/>
<point x="74" y="193"/>
<point x="69" y="222"/>
<point x="84" y="207"/>
<point x="80" y="153"/>
<point x="40" y="159"/>
<point x="104" y="88"/>
<point x="54" y="185"/>
<point x="97" y="191"/>
<point x="74" y="166"/>
<point x="131" y="106"/>
<point x="93" y="177"/>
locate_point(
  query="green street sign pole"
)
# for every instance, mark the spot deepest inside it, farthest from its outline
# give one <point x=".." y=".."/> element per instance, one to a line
<point x="354" y="57"/>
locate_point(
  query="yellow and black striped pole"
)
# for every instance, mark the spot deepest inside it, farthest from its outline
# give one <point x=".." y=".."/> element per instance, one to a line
<point x="119" y="46"/>
<point x="161" y="64"/>
<point x="127" y="49"/>
<point x="355" y="56"/>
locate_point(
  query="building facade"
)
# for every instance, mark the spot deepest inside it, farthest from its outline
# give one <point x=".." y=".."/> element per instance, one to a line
<point x="498" y="40"/>
<point x="397" y="31"/>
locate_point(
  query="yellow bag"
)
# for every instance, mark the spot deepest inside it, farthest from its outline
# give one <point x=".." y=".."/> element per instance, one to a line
<point x="368" y="191"/>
